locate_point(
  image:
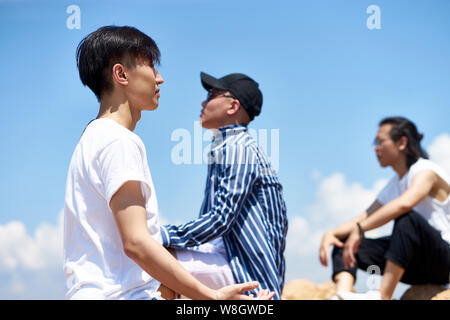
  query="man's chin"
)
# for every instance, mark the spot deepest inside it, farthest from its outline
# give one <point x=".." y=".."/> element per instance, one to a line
<point x="208" y="124"/>
<point x="204" y="124"/>
<point x="382" y="164"/>
<point x="153" y="107"/>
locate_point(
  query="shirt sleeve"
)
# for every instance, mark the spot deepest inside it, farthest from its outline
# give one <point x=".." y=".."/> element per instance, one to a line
<point x="119" y="162"/>
<point x="426" y="165"/>
<point x="237" y="174"/>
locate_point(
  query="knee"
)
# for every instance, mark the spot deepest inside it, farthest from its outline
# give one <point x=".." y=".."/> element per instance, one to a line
<point x="166" y="293"/>
<point x="406" y="220"/>
<point x="407" y="224"/>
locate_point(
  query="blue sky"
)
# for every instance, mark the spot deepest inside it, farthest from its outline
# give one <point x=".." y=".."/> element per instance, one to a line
<point x="326" y="78"/>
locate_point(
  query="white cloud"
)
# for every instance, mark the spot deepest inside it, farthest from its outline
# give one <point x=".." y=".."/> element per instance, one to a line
<point x="31" y="265"/>
<point x="302" y="239"/>
<point x="302" y="252"/>
<point x="338" y="200"/>
<point x="40" y="251"/>
<point x="439" y="151"/>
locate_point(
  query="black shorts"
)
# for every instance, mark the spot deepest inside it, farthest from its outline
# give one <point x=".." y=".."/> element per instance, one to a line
<point x="414" y="245"/>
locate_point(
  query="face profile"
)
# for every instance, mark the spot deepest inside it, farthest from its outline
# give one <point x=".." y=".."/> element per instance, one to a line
<point x="215" y="108"/>
<point x="143" y="86"/>
<point x="387" y="151"/>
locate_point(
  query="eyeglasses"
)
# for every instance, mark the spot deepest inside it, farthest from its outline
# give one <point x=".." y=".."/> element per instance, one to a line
<point x="377" y="142"/>
<point x="212" y="94"/>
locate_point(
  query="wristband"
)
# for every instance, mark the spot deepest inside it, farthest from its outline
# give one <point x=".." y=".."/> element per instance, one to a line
<point x="361" y="231"/>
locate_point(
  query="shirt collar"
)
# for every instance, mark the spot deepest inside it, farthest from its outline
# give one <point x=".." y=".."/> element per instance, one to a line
<point x="224" y="133"/>
<point x="231" y="129"/>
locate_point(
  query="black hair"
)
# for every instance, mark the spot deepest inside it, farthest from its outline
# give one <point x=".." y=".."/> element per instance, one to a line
<point x="101" y="49"/>
<point x="402" y="127"/>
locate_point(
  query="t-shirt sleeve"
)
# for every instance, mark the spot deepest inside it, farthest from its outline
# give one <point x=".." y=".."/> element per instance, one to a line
<point x="119" y="162"/>
<point x="388" y="193"/>
<point x="427" y="165"/>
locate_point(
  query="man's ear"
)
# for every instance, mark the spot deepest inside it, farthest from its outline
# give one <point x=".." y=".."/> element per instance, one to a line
<point x="119" y="74"/>
<point x="234" y="107"/>
<point x="402" y="143"/>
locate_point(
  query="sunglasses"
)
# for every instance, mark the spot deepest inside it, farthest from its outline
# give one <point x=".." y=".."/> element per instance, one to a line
<point x="212" y="94"/>
<point x="377" y="142"/>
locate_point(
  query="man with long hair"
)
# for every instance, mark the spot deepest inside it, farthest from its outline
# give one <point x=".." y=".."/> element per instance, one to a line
<point x="418" y="199"/>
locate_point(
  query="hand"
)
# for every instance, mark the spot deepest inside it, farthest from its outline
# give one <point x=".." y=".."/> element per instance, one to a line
<point x="328" y="240"/>
<point x="351" y="248"/>
<point x="265" y="295"/>
<point x="235" y="292"/>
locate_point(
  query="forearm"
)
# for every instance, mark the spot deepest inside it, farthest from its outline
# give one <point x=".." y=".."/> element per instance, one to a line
<point x="342" y="231"/>
<point x="420" y="187"/>
<point x="390" y="211"/>
<point x="129" y="211"/>
<point x="162" y="266"/>
<point x="235" y="181"/>
<point x="197" y="232"/>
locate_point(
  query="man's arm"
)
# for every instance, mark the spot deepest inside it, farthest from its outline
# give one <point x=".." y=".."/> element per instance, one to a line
<point x="341" y="232"/>
<point x="420" y="187"/>
<point x="235" y="182"/>
<point x="128" y="206"/>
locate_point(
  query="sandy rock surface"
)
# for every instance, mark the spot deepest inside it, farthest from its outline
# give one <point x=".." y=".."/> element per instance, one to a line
<point x="303" y="289"/>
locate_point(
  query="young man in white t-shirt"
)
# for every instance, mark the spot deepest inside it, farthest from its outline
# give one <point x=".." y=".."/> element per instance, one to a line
<point x="112" y="242"/>
<point x="418" y="199"/>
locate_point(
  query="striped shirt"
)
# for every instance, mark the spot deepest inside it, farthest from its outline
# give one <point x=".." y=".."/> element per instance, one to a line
<point x="243" y="204"/>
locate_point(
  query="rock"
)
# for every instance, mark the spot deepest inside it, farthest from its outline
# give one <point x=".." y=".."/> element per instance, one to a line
<point x="444" y="295"/>
<point x="426" y="292"/>
<point x="306" y="290"/>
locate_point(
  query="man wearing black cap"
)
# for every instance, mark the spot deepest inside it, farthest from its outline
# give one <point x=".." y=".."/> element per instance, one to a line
<point x="241" y="230"/>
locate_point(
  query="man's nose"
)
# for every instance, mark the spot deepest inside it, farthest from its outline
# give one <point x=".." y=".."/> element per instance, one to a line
<point x="159" y="79"/>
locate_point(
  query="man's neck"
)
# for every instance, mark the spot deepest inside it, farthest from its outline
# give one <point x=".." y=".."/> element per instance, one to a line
<point x="400" y="167"/>
<point x="118" y="109"/>
<point x="233" y="122"/>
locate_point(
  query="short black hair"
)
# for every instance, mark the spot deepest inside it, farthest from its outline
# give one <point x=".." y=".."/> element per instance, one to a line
<point x="402" y="127"/>
<point x="101" y="49"/>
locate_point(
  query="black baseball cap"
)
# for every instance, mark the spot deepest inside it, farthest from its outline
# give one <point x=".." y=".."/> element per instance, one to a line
<point x="244" y="88"/>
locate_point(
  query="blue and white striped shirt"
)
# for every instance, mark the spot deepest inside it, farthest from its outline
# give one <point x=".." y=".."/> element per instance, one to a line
<point x="243" y="204"/>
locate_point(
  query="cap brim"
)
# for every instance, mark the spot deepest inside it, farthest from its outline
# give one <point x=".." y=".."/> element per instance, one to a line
<point x="209" y="82"/>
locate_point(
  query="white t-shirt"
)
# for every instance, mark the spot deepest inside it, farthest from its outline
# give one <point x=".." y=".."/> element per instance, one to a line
<point x="437" y="213"/>
<point x="95" y="265"/>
